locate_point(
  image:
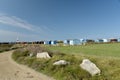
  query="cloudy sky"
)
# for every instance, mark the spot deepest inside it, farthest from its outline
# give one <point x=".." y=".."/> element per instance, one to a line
<point x="32" y="20"/>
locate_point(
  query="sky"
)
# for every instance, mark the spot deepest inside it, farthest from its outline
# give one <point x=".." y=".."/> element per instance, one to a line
<point x="34" y="20"/>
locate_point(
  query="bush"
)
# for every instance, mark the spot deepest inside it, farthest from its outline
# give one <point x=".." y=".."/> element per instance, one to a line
<point x="29" y="61"/>
<point x="5" y="47"/>
<point x="19" y="53"/>
<point x="34" y="49"/>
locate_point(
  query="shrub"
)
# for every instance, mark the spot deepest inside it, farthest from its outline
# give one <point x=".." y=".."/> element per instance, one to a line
<point x="34" y="49"/>
<point x="29" y="61"/>
<point x="5" y="47"/>
<point x="19" y="53"/>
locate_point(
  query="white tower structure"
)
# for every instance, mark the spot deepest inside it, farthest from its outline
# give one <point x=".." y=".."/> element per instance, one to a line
<point x="17" y="40"/>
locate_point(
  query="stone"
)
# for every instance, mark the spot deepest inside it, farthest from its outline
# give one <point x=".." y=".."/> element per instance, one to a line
<point x="31" y="54"/>
<point x="61" y="62"/>
<point x="90" y="67"/>
<point x="43" y="55"/>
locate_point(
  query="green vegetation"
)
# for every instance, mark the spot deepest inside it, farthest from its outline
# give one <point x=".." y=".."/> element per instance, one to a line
<point x="108" y="50"/>
<point x="105" y="56"/>
<point x="5" y="47"/>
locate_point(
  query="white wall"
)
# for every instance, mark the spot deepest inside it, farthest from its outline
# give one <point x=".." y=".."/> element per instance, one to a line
<point x="71" y="42"/>
<point x="105" y="40"/>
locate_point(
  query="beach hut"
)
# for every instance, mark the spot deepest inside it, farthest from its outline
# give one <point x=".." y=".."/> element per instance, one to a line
<point x="77" y="42"/>
<point x="71" y="42"/>
<point x="46" y="42"/>
<point x="83" y="41"/>
<point x="118" y="39"/>
<point x="41" y="42"/>
<point x="90" y="41"/>
<point x="66" y="42"/>
<point x="106" y="40"/>
<point x="54" y="42"/>
<point x="113" y="40"/>
<point x="51" y="42"/>
<point x="99" y="40"/>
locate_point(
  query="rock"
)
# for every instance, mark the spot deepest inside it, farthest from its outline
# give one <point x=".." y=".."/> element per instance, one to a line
<point x="31" y="54"/>
<point x="61" y="62"/>
<point x="43" y="55"/>
<point x="90" y="67"/>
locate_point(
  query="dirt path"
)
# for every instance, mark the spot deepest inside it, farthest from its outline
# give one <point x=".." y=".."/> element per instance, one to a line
<point x="10" y="70"/>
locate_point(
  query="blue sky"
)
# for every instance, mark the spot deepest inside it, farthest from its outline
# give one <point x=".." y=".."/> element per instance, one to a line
<point x="33" y="20"/>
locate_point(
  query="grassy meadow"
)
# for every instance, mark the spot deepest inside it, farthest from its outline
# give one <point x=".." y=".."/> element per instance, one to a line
<point x="106" y="50"/>
<point x="105" y="56"/>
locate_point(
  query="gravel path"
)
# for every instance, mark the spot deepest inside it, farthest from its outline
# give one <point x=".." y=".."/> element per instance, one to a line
<point x="10" y="70"/>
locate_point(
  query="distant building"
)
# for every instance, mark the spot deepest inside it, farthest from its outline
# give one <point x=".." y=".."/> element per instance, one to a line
<point x="72" y="42"/>
<point x="99" y="41"/>
<point x="106" y="40"/>
<point x="118" y="39"/>
<point x="113" y="40"/>
<point x="90" y="41"/>
<point x="83" y="41"/>
<point x="66" y="42"/>
<point x="46" y="42"/>
<point x="41" y="42"/>
<point x="53" y="42"/>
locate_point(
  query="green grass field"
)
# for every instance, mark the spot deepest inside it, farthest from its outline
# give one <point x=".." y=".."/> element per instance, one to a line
<point x="107" y="50"/>
<point x="106" y="56"/>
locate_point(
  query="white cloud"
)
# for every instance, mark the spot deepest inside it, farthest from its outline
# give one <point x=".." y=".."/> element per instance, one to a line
<point x="37" y="32"/>
<point x="16" y="22"/>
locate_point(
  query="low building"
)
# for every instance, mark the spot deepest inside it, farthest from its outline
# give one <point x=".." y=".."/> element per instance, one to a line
<point x="106" y="40"/>
<point x="46" y="42"/>
<point x="53" y="42"/>
<point x="66" y="42"/>
<point x="83" y="41"/>
<point x="118" y="39"/>
<point x="99" y="41"/>
<point x="113" y="40"/>
<point x="90" y="41"/>
<point x="72" y="42"/>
